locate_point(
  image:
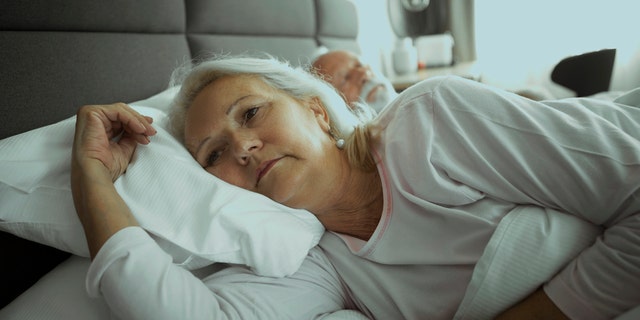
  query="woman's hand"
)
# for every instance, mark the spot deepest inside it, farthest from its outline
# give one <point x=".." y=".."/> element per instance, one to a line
<point x="107" y="135"/>
<point x="105" y="139"/>
<point x="536" y="306"/>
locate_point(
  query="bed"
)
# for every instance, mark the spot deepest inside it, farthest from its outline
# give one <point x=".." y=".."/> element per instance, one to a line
<point x="59" y="55"/>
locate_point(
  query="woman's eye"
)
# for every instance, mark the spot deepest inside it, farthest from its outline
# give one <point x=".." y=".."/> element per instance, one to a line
<point x="250" y="113"/>
<point x="212" y="158"/>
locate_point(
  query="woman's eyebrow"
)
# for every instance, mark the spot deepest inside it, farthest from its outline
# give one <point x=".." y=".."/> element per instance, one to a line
<point x="235" y="103"/>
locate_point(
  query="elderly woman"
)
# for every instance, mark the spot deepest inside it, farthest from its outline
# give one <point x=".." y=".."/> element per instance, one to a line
<point x="410" y="198"/>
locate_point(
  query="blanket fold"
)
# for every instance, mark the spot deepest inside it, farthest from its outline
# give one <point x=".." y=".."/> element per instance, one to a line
<point x="525" y="251"/>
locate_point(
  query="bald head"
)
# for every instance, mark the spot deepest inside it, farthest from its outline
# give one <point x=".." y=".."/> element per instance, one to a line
<point x="355" y="80"/>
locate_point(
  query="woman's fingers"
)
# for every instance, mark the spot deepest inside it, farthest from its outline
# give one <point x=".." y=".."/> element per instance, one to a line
<point x="141" y="138"/>
<point x="96" y="128"/>
<point x="115" y="120"/>
<point x="133" y="122"/>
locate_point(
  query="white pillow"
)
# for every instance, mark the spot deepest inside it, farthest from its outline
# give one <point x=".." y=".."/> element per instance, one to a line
<point x="194" y="216"/>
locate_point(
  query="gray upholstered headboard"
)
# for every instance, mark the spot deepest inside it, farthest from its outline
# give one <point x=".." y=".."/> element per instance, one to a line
<point x="57" y="55"/>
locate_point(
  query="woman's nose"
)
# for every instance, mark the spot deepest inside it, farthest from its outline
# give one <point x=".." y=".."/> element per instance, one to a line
<point x="245" y="148"/>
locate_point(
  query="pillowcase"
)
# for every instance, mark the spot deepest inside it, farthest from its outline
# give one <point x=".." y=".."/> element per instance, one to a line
<point x="195" y="217"/>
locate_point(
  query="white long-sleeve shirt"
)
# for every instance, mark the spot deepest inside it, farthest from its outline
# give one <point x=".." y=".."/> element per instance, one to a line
<point x="454" y="157"/>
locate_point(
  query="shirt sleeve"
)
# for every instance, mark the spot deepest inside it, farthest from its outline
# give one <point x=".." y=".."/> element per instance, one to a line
<point x="579" y="156"/>
<point x="139" y="281"/>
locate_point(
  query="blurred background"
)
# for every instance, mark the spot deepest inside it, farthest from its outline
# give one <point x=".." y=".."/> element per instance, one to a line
<point x="512" y="44"/>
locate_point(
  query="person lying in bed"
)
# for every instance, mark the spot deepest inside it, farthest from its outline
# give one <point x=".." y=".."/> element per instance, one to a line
<point x="354" y="79"/>
<point x="409" y="199"/>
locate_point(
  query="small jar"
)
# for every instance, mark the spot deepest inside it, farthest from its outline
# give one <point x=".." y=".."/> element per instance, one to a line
<point x="405" y="57"/>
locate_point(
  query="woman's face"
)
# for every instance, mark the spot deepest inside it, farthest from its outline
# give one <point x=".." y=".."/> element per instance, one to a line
<point x="258" y="138"/>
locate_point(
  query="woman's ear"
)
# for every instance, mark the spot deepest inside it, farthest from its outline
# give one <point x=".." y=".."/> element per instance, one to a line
<point x="320" y="112"/>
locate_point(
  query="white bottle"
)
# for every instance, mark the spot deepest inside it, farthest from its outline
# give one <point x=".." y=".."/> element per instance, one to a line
<point x="405" y="57"/>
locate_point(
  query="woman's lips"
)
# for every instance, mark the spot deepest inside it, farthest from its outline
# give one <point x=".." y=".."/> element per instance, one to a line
<point x="264" y="168"/>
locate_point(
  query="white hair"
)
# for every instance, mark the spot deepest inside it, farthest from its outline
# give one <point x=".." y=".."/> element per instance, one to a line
<point x="297" y="82"/>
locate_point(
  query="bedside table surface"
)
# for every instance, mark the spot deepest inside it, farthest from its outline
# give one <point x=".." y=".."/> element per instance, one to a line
<point x="468" y="69"/>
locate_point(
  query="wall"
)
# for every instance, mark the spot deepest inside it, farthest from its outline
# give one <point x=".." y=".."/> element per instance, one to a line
<point x="518" y="42"/>
<point x="377" y="38"/>
<point x="375" y="34"/>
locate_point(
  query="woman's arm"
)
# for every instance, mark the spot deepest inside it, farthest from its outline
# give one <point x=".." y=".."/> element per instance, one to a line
<point x="105" y="139"/>
<point x="136" y="278"/>
<point x="139" y="281"/>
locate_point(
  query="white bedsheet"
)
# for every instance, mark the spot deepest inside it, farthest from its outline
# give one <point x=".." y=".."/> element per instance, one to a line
<point x="61" y="295"/>
<point x="525" y="251"/>
<point x="522" y="254"/>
